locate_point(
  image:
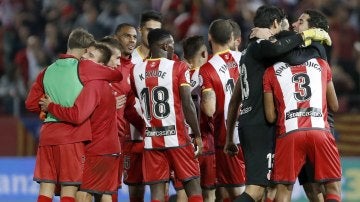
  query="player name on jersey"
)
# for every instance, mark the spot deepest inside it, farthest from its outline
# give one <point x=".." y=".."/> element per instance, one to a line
<point x="308" y="64"/>
<point x="152" y="73"/>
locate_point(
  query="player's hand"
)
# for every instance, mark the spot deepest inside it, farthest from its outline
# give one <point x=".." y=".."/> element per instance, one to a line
<point x="44" y="103"/>
<point x="316" y="34"/>
<point x="261" y="33"/>
<point x="120" y="101"/>
<point x="231" y="148"/>
<point x="198" y="146"/>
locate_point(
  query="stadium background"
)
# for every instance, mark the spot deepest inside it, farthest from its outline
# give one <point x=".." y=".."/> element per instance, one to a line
<point x="33" y="32"/>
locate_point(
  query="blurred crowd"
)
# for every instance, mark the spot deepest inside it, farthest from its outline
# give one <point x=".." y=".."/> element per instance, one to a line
<point x="34" y="32"/>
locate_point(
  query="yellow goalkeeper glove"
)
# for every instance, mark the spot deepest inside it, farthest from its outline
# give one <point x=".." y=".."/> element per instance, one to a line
<point x="316" y="34"/>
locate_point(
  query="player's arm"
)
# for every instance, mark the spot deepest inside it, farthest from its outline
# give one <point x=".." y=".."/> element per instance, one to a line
<point x="190" y="114"/>
<point x="269" y="105"/>
<point x="270" y="49"/>
<point x="208" y="102"/>
<point x="234" y="104"/>
<point x="83" y="107"/>
<point x="331" y="97"/>
<point x="36" y="92"/>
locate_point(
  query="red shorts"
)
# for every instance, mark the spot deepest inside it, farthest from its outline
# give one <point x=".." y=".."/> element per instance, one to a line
<point x="133" y="169"/>
<point x="157" y="164"/>
<point x="60" y="164"/>
<point x="101" y="174"/>
<point x="178" y="185"/>
<point x="292" y="150"/>
<point x="230" y="171"/>
<point x="207" y="171"/>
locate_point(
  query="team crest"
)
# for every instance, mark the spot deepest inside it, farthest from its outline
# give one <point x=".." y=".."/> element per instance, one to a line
<point x="152" y="64"/>
<point x="226" y="56"/>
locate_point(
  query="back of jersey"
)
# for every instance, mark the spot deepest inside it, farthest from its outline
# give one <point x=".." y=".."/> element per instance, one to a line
<point x="220" y="74"/>
<point x="157" y="83"/>
<point x="300" y="94"/>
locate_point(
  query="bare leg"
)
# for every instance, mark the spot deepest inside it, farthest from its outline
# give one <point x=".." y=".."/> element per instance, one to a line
<point x="283" y="193"/>
<point x="47" y="189"/>
<point x="158" y="191"/>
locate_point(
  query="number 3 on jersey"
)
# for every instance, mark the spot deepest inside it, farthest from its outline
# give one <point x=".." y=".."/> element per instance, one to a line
<point x="303" y="90"/>
<point x="156" y="102"/>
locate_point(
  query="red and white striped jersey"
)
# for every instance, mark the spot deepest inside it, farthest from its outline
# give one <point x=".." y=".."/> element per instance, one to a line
<point x="157" y="83"/>
<point x="220" y="74"/>
<point x="300" y="94"/>
<point x="136" y="57"/>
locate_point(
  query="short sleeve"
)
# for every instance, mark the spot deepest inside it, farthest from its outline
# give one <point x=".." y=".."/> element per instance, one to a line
<point x="267" y="80"/>
<point x="204" y="78"/>
<point x="183" y="74"/>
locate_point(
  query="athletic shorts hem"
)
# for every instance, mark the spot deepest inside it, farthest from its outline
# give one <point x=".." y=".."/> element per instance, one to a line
<point x="328" y="180"/>
<point x="98" y="192"/>
<point x="190" y="178"/>
<point x="44" y="180"/>
<point x="156" y="182"/>
<point x="70" y="183"/>
<point x="284" y="182"/>
<point x="230" y="185"/>
<point x="133" y="183"/>
<point x="260" y="184"/>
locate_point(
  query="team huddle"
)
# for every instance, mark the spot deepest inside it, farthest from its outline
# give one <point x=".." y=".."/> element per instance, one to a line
<point x="227" y="126"/>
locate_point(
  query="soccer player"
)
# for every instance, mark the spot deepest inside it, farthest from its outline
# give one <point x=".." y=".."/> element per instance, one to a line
<point x="63" y="81"/>
<point x="132" y="140"/>
<point x="96" y="102"/>
<point x="256" y="134"/>
<point x="217" y="79"/>
<point x="310" y="19"/>
<point x="297" y="96"/>
<point x="162" y="86"/>
<point x="196" y="54"/>
<point x="235" y="45"/>
<point x="149" y="20"/>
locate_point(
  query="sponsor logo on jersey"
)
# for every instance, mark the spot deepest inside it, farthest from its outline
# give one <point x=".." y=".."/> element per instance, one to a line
<point x="160" y="131"/>
<point x="304" y="112"/>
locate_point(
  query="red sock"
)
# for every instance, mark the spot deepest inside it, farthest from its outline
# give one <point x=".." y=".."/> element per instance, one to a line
<point x="114" y="197"/>
<point x="226" y="200"/>
<point x="153" y="200"/>
<point x="269" y="200"/>
<point x="42" y="198"/>
<point x="195" y="198"/>
<point x="136" y="199"/>
<point x="332" y="198"/>
<point x="67" y="199"/>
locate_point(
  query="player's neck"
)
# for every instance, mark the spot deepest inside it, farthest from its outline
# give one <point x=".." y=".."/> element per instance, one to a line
<point x="143" y="50"/>
<point x="216" y="48"/>
<point x="76" y="52"/>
